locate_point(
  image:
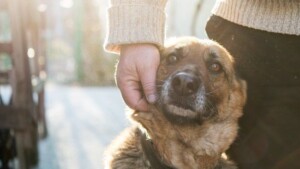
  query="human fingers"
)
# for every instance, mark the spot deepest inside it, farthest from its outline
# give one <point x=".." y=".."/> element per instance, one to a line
<point x="132" y="95"/>
<point x="147" y="73"/>
<point x="135" y="74"/>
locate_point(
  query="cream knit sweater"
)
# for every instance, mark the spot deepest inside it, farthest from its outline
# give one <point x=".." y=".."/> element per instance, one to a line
<point x="143" y="21"/>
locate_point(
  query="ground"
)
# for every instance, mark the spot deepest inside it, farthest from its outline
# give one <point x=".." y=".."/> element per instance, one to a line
<point x="82" y="121"/>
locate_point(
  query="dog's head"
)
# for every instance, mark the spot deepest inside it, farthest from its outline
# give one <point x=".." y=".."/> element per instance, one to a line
<point x="196" y="82"/>
<point x="200" y="101"/>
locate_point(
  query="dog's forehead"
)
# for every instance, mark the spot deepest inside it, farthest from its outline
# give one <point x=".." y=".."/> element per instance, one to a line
<point x="183" y="46"/>
<point x="190" y="45"/>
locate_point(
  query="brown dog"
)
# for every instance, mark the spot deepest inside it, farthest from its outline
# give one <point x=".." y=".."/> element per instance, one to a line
<point x="196" y="117"/>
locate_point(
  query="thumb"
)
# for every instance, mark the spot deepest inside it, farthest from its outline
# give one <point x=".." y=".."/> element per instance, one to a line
<point x="149" y="86"/>
<point x="148" y="81"/>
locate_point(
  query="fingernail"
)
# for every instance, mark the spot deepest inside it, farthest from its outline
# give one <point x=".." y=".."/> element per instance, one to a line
<point x="151" y="98"/>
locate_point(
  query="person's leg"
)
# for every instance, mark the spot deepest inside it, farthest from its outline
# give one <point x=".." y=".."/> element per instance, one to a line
<point x="269" y="135"/>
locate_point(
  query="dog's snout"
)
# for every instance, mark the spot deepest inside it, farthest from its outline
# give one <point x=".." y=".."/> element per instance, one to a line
<point x="185" y="84"/>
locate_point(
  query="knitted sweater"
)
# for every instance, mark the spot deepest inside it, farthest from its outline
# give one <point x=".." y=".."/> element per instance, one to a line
<point x="143" y="21"/>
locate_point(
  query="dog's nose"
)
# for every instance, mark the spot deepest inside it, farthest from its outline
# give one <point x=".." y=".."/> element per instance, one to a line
<point x="185" y="84"/>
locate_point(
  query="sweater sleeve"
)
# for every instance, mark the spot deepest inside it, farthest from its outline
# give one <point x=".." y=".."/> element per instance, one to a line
<point x="135" y="21"/>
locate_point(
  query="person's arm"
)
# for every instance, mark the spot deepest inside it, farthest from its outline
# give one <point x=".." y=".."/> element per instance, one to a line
<point x="135" y="21"/>
<point x="136" y="29"/>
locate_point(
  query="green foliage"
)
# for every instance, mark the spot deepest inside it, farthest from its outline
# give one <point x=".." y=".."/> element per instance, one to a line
<point x="98" y="66"/>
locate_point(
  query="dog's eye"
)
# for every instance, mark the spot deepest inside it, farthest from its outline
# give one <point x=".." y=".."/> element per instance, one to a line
<point x="172" y="59"/>
<point x="215" y="67"/>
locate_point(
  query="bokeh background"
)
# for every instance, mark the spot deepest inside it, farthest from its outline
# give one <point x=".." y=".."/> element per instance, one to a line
<point x="84" y="110"/>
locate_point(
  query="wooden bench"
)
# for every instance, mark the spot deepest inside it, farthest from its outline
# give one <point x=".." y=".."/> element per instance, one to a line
<point x="24" y="116"/>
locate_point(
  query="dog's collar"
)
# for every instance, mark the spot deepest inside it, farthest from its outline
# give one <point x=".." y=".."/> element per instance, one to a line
<point x="151" y="154"/>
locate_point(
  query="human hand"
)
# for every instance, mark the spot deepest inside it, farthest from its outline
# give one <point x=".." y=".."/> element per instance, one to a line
<point x="136" y="74"/>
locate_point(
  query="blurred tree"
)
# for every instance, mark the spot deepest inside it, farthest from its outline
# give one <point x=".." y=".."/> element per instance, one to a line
<point x="98" y="66"/>
<point x="78" y="19"/>
<point x="75" y="38"/>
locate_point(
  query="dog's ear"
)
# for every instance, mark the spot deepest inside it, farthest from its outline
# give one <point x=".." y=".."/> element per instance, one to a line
<point x="152" y="120"/>
<point x="238" y="96"/>
<point x="140" y="116"/>
<point x="243" y="84"/>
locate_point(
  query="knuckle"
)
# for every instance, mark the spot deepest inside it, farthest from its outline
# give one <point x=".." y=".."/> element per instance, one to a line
<point x="149" y="89"/>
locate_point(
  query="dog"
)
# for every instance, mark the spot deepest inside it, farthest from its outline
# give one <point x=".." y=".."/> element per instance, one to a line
<point x="195" y="119"/>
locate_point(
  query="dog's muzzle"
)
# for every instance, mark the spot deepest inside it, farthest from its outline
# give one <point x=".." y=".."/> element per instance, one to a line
<point x="183" y="97"/>
<point x="185" y="84"/>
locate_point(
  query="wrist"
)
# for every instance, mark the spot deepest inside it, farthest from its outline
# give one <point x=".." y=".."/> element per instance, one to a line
<point x="138" y="46"/>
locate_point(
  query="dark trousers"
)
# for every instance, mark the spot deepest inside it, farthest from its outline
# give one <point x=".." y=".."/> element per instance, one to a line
<point x="269" y="136"/>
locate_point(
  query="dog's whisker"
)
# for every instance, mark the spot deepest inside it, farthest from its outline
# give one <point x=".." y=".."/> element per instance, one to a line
<point x="213" y="91"/>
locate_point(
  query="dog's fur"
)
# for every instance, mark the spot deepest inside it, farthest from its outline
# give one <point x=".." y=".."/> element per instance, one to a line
<point x="192" y="124"/>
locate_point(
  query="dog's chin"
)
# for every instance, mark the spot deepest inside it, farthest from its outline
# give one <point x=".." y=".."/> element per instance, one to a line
<point x="180" y="115"/>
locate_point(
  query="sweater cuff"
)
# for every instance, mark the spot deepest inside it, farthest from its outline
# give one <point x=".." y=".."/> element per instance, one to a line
<point x="135" y="23"/>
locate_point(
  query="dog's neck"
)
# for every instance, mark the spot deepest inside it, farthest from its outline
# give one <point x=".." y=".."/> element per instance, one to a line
<point x="151" y="153"/>
<point x="189" y="147"/>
